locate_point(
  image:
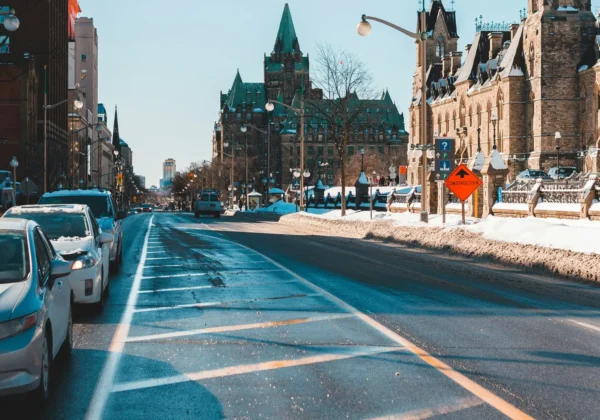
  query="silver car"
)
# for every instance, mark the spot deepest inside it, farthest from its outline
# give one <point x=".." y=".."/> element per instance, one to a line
<point x="35" y="308"/>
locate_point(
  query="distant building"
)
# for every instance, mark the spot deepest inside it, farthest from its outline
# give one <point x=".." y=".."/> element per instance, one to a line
<point x="141" y="181"/>
<point x="286" y="75"/>
<point x="169" y="169"/>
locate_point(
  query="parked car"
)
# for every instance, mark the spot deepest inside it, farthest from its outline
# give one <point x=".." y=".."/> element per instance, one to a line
<point x="105" y="211"/>
<point x="534" y="174"/>
<point x="207" y="202"/>
<point x="75" y="234"/>
<point x="35" y="308"/>
<point x="146" y="208"/>
<point x="562" y="172"/>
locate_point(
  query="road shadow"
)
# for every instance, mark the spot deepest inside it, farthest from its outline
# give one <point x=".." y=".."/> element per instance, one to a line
<point x="73" y="383"/>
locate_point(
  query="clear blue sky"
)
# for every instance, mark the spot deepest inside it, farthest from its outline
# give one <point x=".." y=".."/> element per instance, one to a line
<point x="165" y="63"/>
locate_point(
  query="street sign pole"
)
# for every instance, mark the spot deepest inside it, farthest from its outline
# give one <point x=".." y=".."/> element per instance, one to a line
<point x="443" y="203"/>
<point x="463" y="212"/>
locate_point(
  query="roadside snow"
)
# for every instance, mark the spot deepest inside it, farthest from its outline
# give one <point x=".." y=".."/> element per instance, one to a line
<point x="280" y="207"/>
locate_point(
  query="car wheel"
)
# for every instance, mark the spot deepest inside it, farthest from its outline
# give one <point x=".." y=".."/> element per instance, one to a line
<point x="41" y="394"/>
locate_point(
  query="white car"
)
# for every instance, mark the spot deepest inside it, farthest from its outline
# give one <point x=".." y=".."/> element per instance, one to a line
<point x="74" y="233"/>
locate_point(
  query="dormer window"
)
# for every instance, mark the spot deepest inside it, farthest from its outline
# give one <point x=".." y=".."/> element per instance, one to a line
<point x="440" y="48"/>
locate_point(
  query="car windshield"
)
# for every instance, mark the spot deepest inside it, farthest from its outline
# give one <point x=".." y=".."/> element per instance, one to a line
<point x="97" y="203"/>
<point x="14" y="258"/>
<point x="537" y="174"/>
<point x="58" y="225"/>
<point x="566" y="171"/>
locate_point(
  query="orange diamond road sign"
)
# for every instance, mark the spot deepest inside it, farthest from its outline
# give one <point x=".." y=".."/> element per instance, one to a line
<point x="462" y="182"/>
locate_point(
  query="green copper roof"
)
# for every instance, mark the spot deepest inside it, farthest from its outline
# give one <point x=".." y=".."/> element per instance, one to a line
<point x="245" y="93"/>
<point x="286" y="36"/>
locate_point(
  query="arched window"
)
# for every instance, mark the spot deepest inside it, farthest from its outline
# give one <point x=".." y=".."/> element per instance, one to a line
<point x="531" y="60"/>
<point x="440" y="49"/>
<point x="447" y="124"/>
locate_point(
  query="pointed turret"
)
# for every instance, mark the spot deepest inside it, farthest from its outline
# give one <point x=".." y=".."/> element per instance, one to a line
<point x="116" y="140"/>
<point x="287" y="41"/>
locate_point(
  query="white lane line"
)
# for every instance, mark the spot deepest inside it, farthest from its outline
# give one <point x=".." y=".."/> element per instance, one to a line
<point x="183" y="289"/>
<point x="168" y="276"/>
<point x="176" y="289"/>
<point x="585" y="325"/>
<point x="257" y="367"/>
<point x="427" y="413"/>
<point x="159" y="258"/>
<point x="109" y="370"/>
<point x="157" y="252"/>
<point x="258" y="325"/>
<point x="226" y="302"/>
<point x="474" y="388"/>
<point x="162" y="266"/>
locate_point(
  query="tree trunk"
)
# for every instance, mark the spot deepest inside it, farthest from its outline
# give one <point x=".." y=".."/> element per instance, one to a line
<point x="343" y="168"/>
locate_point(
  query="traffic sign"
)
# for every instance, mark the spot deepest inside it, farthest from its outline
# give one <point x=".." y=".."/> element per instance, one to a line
<point x="444" y="157"/>
<point x="462" y="182"/>
<point x="403" y="170"/>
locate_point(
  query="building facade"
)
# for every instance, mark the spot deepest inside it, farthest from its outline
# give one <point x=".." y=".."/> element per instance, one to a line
<point x="286" y="78"/>
<point x="40" y="48"/>
<point x="169" y="169"/>
<point x="516" y="87"/>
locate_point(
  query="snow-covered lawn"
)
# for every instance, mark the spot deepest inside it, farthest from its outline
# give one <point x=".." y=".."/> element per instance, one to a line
<point x="573" y="235"/>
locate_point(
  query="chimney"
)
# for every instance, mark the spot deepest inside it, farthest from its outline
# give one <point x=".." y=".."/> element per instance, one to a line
<point x="468" y="48"/>
<point x="456" y="61"/>
<point x="495" y="43"/>
<point x="445" y="65"/>
<point x="513" y="31"/>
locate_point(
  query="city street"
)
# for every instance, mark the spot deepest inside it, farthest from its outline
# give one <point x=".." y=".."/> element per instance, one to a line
<point x="232" y="319"/>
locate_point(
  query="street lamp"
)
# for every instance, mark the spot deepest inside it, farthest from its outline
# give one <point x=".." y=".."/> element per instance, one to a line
<point x="558" y="137"/>
<point x="364" y="29"/>
<point x="362" y="158"/>
<point x="371" y="195"/>
<point x="270" y="106"/>
<point x="14" y="163"/>
<point x="11" y="22"/>
<point x="494" y="122"/>
<point x="78" y="103"/>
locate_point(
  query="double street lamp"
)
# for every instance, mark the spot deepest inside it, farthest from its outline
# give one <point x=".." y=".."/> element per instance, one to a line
<point x="364" y="29"/>
<point x="270" y="106"/>
<point x="14" y="163"/>
<point x="11" y="22"/>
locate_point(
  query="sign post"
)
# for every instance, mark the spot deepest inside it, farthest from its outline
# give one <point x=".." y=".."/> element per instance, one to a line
<point x="462" y="182"/>
<point x="444" y="165"/>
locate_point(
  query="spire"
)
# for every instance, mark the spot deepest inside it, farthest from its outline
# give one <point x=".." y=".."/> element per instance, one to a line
<point x="116" y="140"/>
<point x="238" y="79"/>
<point x="287" y="41"/>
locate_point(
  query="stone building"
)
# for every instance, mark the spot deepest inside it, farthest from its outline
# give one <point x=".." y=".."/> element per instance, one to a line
<point x="286" y="77"/>
<point x="518" y="83"/>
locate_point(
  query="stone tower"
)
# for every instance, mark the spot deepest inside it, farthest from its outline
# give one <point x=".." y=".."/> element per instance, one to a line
<point x="286" y="69"/>
<point x="557" y="35"/>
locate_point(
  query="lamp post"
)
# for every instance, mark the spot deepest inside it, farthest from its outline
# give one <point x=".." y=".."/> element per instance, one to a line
<point x="244" y="130"/>
<point x="494" y="122"/>
<point x="362" y="159"/>
<point x="371" y="195"/>
<point x="364" y="29"/>
<point x="270" y="106"/>
<point x="479" y="140"/>
<point x="14" y="163"/>
<point x="558" y="137"/>
<point x="11" y="22"/>
<point x="78" y="103"/>
<point x="231" y="171"/>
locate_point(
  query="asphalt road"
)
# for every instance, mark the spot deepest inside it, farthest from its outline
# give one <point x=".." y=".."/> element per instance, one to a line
<point x="235" y="318"/>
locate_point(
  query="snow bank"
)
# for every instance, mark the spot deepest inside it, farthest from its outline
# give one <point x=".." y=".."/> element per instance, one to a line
<point x="279" y="207"/>
<point x="566" y="247"/>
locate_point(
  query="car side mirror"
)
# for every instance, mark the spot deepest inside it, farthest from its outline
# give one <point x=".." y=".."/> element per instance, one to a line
<point x="106" y="238"/>
<point x="59" y="268"/>
<point x="121" y="214"/>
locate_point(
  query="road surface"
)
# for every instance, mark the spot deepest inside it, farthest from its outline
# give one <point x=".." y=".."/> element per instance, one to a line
<point x="236" y="318"/>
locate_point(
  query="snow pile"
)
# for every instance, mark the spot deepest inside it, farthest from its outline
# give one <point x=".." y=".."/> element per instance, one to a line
<point x="565" y="247"/>
<point x="497" y="162"/>
<point x="479" y="161"/>
<point x="280" y="207"/>
<point x="362" y="179"/>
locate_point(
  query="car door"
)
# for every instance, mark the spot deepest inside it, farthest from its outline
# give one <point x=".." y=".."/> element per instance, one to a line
<point x="56" y="296"/>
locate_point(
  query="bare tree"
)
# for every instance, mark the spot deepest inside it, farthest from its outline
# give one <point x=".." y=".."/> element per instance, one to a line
<point x="343" y="80"/>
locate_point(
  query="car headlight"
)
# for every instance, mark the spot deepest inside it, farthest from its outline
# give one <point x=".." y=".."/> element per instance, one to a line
<point x="84" y="261"/>
<point x="17" y="326"/>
